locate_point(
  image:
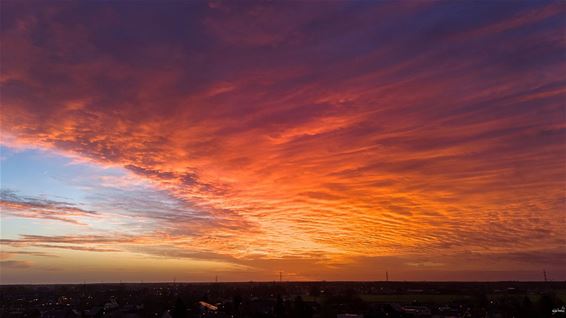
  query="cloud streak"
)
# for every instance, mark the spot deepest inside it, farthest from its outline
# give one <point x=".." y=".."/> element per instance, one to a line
<point x="15" y="264"/>
<point x="38" y="208"/>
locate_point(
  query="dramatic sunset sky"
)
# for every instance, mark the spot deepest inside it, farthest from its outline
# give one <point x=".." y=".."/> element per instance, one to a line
<point x="329" y="140"/>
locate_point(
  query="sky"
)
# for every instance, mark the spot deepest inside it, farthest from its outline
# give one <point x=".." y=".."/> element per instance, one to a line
<point x="328" y="140"/>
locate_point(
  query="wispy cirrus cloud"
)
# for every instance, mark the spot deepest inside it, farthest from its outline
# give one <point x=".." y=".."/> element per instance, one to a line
<point x="13" y="264"/>
<point x="88" y="243"/>
<point x="37" y="208"/>
<point x="7" y="254"/>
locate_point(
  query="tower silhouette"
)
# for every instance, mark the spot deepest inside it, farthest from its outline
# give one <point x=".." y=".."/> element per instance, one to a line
<point x="544" y="273"/>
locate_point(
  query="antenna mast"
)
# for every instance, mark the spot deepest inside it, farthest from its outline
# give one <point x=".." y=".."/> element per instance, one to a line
<point x="544" y="273"/>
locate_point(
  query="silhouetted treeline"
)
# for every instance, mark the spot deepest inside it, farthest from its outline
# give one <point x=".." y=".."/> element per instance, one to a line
<point x="286" y="300"/>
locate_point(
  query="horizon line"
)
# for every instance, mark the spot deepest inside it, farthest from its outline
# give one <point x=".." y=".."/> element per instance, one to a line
<point x="281" y="282"/>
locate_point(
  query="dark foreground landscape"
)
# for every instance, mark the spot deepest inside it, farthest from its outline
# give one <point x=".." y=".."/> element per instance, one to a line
<point x="287" y="299"/>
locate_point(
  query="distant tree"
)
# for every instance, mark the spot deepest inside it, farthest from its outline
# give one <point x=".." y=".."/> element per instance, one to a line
<point x="179" y="310"/>
<point x="33" y="314"/>
<point x="479" y="305"/>
<point x="545" y="305"/>
<point x="279" y="307"/>
<point x="194" y="308"/>
<point x="236" y="303"/>
<point x="301" y="309"/>
<point x="315" y="290"/>
<point x="526" y="308"/>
